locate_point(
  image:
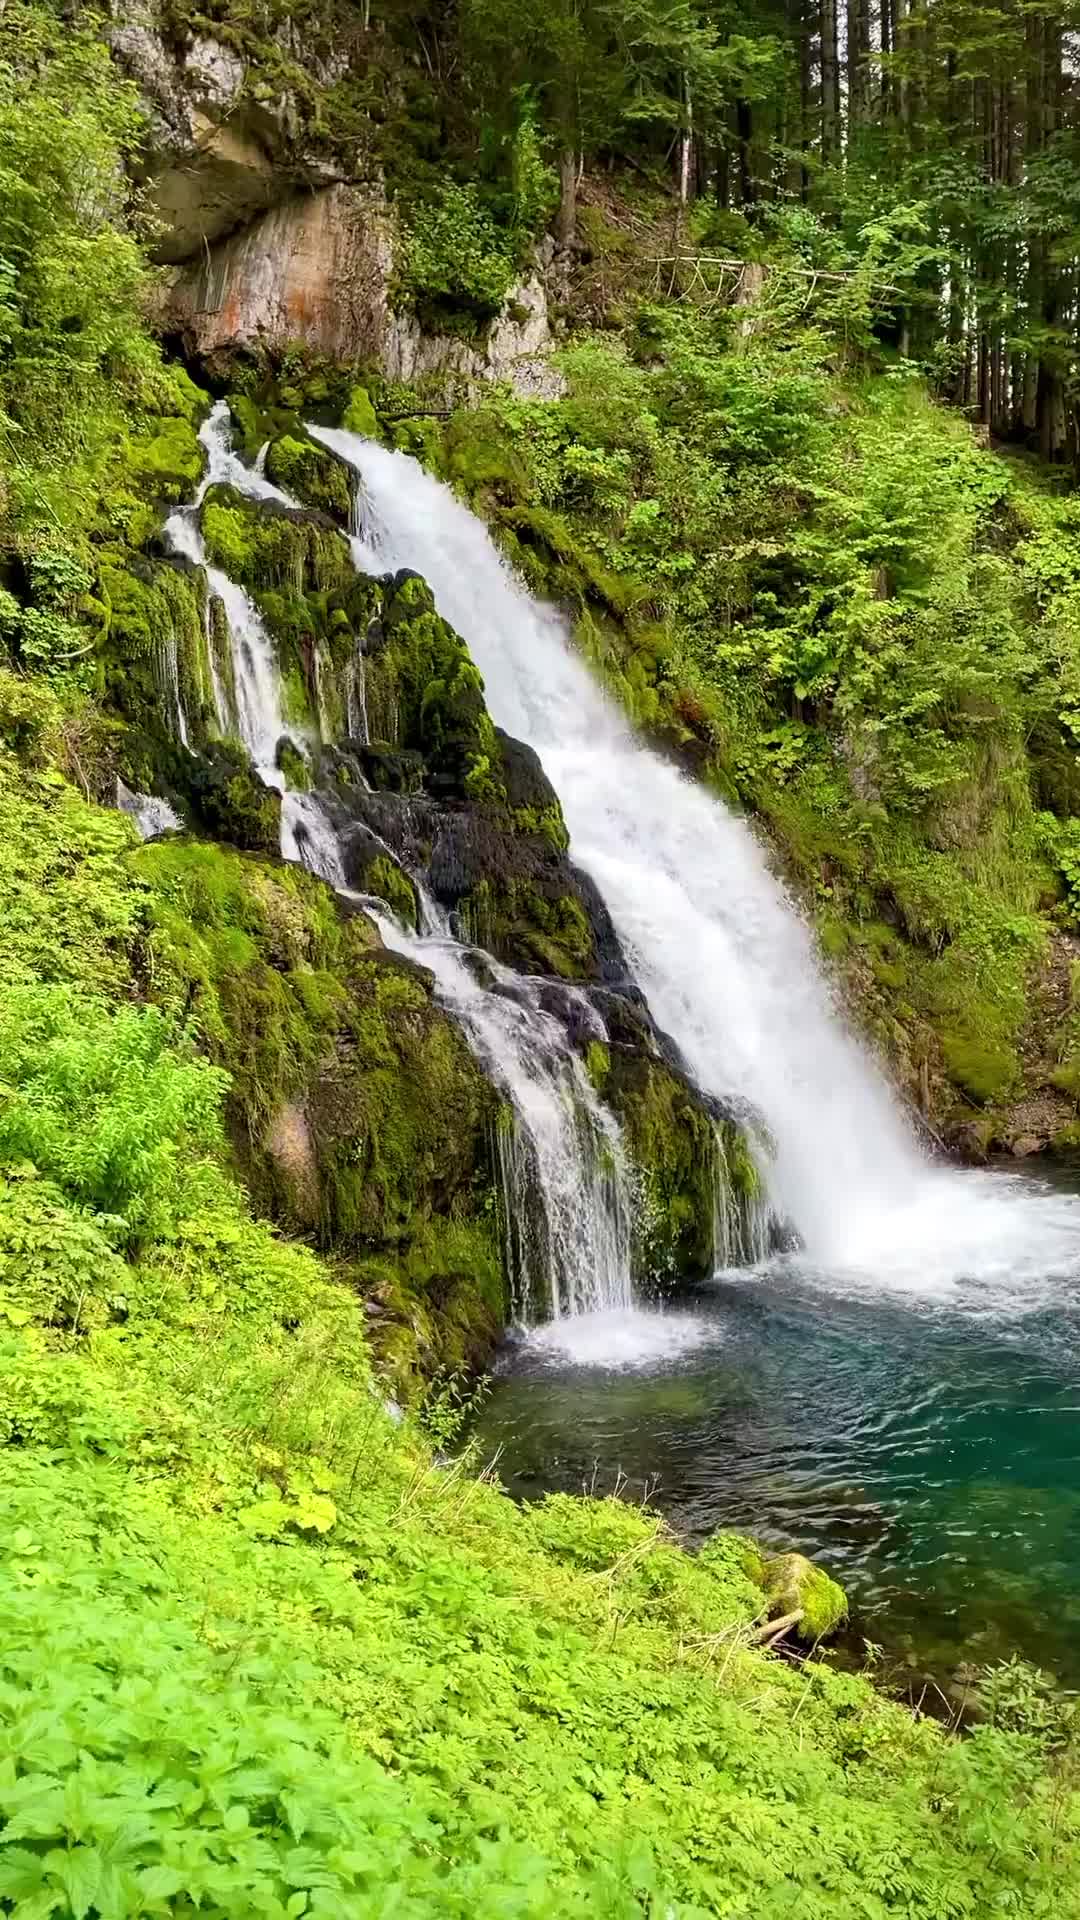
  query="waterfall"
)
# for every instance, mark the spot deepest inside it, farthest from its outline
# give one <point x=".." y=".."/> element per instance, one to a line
<point x="726" y="961"/>
<point x="258" y="719"/>
<point x="565" y="1182"/>
<point x="571" y="1254"/>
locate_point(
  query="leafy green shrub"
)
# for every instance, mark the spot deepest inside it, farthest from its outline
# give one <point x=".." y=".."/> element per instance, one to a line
<point x="454" y="258"/>
<point x="1020" y="1698"/>
<point x="58" y="1264"/>
<point x="100" y="1104"/>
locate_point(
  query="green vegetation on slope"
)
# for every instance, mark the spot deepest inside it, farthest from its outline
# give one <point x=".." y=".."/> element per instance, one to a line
<point x="264" y="1648"/>
<point x="263" y="1651"/>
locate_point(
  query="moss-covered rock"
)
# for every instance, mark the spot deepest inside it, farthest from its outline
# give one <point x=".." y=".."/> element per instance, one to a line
<point x="355" y="1107"/>
<point x="359" y="415"/>
<point x="154" y="643"/>
<point x="672" y="1139"/>
<point x="424" y="694"/>
<point x="399" y="1115"/>
<point x="168" y="463"/>
<point x="371" y="869"/>
<point x="297" y="566"/>
<point x="792" y="1584"/>
<point x="226" y="798"/>
<point x="311" y="474"/>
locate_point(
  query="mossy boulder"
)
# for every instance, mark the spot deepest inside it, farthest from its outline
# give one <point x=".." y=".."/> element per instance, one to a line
<point x="153" y="642"/>
<point x="167" y="462"/>
<point x="792" y="1584"/>
<point x="359" y="415"/>
<point x="531" y="801"/>
<point x="263" y="544"/>
<point x="671" y="1137"/>
<point x="312" y="474"/>
<point x="226" y="798"/>
<point x="399" y="1112"/>
<point x="986" y="1070"/>
<point x="297" y="566"/>
<point x="355" y="1108"/>
<point x="372" y="870"/>
<point x="424" y="694"/>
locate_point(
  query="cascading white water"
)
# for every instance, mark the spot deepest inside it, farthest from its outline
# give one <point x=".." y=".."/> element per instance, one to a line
<point x="726" y="962"/>
<point x="151" y="814"/>
<point x="571" y="1254"/>
<point x="565" y="1179"/>
<point x="258" y="718"/>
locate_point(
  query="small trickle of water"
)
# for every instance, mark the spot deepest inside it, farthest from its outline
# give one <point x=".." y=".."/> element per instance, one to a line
<point x="356" y="718"/>
<point x="308" y="839"/>
<point x="150" y="814"/>
<point x="742" y="1224"/>
<point x="566" y="1185"/>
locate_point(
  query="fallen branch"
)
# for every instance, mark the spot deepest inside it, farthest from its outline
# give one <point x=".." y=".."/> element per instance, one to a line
<point x="421" y="413"/>
<point x="699" y="260"/>
<point x="774" y="1630"/>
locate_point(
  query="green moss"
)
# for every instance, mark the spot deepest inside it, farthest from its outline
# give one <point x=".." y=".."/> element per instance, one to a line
<point x="792" y="1584"/>
<point x="985" y="1071"/>
<point x="154" y="642"/>
<point x="298" y="568"/>
<point x="672" y="1143"/>
<point x="733" y="1555"/>
<point x="226" y="797"/>
<point x="228" y="534"/>
<point x="388" y="881"/>
<point x="355" y="1103"/>
<point x="249" y="424"/>
<point x="528" y="927"/>
<point x="359" y="416"/>
<point x="312" y="474"/>
<point x="252" y="950"/>
<point x="598" y="1063"/>
<point x="423" y="691"/>
<point x="168" y="464"/>
<point x="400" y="1117"/>
<point x="442" y="1303"/>
<point x="575" y="569"/>
<point x="295" y="766"/>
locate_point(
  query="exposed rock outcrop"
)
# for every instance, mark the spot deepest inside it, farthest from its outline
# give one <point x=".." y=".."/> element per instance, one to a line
<point x="314" y="269"/>
<point x="318" y="269"/>
<point x="221" y="148"/>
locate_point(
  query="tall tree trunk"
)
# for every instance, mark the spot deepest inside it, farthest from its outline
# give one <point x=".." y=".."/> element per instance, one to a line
<point x="806" y="87"/>
<point x="830" y="80"/>
<point x="566" y="224"/>
<point x="744" y="120"/>
<point x="888" y="41"/>
<point x="686" y="143"/>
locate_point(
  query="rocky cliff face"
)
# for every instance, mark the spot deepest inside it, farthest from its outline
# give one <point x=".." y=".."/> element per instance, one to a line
<point x="279" y="233"/>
